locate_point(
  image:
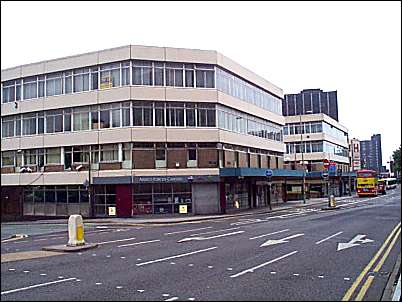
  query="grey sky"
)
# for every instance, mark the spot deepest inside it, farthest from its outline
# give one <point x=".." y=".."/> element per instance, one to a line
<point x="351" y="47"/>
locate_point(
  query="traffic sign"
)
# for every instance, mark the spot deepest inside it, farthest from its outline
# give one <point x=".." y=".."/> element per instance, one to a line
<point x="268" y="173"/>
<point x="326" y="163"/>
<point x="332" y="167"/>
<point x="325" y="174"/>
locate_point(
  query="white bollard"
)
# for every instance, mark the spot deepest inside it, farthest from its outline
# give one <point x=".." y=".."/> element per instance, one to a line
<point x="75" y="231"/>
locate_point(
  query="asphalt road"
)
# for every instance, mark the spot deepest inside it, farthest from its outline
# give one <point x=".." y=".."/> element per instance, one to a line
<point x="297" y="254"/>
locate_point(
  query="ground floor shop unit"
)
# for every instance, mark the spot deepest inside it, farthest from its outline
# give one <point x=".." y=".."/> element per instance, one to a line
<point x="233" y="190"/>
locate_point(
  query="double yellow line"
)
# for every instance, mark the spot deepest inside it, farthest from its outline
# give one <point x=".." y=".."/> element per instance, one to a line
<point x="396" y="231"/>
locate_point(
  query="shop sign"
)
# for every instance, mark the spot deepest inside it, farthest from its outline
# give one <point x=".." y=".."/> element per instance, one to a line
<point x="112" y="211"/>
<point x="183" y="209"/>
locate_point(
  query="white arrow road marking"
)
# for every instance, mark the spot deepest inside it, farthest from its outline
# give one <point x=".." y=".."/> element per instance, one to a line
<point x="36" y="285"/>
<point x="283" y="240"/>
<point x="251" y="270"/>
<point x="351" y="243"/>
<point x="206" y="238"/>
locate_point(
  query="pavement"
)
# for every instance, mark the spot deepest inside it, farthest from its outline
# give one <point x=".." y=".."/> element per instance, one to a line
<point x="157" y="219"/>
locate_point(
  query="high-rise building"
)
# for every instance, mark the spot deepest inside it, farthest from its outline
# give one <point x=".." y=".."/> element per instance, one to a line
<point x="371" y="154"/>
<point x="310" y="101"/>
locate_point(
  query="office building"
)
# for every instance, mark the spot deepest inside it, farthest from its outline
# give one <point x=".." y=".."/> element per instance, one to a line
<point x="137" y="130"/>
<point x="311" y="101"/>
<point x="371" y="153"/>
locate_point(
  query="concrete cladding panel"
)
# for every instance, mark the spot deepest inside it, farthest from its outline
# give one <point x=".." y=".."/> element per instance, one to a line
<point x="193" y="94"/>
<point x="71" y="62"/>
<point x="190" y="55"/>
<point x="114" y="54"/>
<point x="205" y="198"/>
<point x="152" y="53"/>
<point x="11" y="73"/>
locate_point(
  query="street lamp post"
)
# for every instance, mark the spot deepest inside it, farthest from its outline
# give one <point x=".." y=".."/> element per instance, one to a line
<point x="302" y="156"/>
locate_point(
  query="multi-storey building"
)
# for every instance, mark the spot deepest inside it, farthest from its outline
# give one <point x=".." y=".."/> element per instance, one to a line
<point x="354" y="154"/>
<point x="137" y="129"/>
<point x="310" y="139"/>
<point x="313" y="101"/>
<point x="371" y="154"/>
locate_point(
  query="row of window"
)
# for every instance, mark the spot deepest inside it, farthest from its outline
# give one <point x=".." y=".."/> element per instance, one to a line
<point x="171" y="114"/>
<point x="56" y="194"/>
<point x="239" y="88"/>
<point x="144" y="73"/>
<point x="315" y="127"/>
<point x="316" y="146"/>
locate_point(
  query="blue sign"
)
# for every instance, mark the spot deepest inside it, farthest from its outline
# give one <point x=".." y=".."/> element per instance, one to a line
<point x="268" y="173"/>
<point x="332" y="168"/>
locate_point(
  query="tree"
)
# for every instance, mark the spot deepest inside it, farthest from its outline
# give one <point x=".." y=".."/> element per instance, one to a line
<point x="397" y="160"/>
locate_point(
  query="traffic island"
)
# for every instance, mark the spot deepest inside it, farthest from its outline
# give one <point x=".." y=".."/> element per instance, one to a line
<point x="67" y="248"/>
<point x="76" y="240"/>
<point x="331" y="204"/>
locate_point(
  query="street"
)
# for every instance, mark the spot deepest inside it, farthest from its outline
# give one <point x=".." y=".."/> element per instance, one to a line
<point x="294" y="254"/>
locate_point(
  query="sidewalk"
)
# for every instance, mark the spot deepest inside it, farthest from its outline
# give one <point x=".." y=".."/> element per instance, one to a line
<point x="156" y="219"/>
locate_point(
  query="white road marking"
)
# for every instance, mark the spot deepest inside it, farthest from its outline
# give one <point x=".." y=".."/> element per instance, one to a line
<point x="207" y="238"/>
<point x="60" y="277"/>
<point x="325" y="239"/>
<point x="191" y="264"/>
<point x="250" y="270"/>
<point x="26" y="271"/>
<point x="108" y="256"/>
<point x="40" y="239"/>
<point x="138" y="243"/>
<point x="229" y="268"/>
<point x="172" y="299"/>
<point x="347" y="279"/>
<point x="119" y="286"/>
<point x="215" y="231"/>
<point x="273" y="273"/>
<point x="177" y="256"/>
<point x="166" y="295"/>
<point x="320" y="276"/>
<point x="140" y="290"/>
<point x="192" y="230"/>
<point x="11" y="269"/>
<point x="296" y="275"/>
<point x="351" y="243"/>
<point x="269" y="234"/>
<point x="98" y="283"/>
<point x="122" y="257"/>
<point x="191" y="299"/>
<point x="172" y="263"/>
<point x="118" y="240"/>
<point x="278" y="241"/>
<point x="78" y="280"/>
<point x="93" y="255"/>
<point x="138" y="259"/>
<point x="210" y="266"/>
<point x="36" y="285"/>
<point x="43" y="274"/>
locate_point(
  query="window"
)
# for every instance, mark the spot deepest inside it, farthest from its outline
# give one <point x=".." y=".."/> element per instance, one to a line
<point x="104" y="116"/>
<point x="30" y="157"/>
<point x="109" y="153"/>
<point x="68" y="81"/>
<point x="160" y="156"/>
<point x="94" y="77"/>
<point x="192" y="154"/>
<point x="116" y="115"/>
<point x="67" y="119"/>
<point x="80" y="118"/>
<point x="54" y="121"/>
<point x="7" y="126"/>
<point x="190" y="115"/>
<point x="81" y="154"/>
<point x="8" y="91"/>
<point x="110" y="75"/>
<point x="53" y="156"/>
<point x="29" y="124"/>
<point x="159" y="114"/>
<point x="54" y="84"/>
<point x="94" y="117"/>
<point x="142" y="114"/>
<point x="81" y="79"/>
<point x="142" y="73"/>
<point x="41" y="122"/>
<point x="174" y="74"/>
<point x="41" y="86"/>
<point x="205" y="76"/>
<point x="125" y="73"/>
<point x="189" y="73"/>
<point x="30" y="87"/>
<point x="159" y="74"/>
<point x="175" y="114"/>
<point x="206" y="115"/>
<point x="126" y="151"/>
<point x="7" y="159"/>
<point x="126" y="114"/>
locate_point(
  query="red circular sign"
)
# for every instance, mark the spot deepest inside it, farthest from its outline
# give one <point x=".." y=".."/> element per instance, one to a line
<point x="326" y="163"/>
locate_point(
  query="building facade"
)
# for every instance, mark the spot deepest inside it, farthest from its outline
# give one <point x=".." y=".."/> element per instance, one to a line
<point x="140" y="130"/>
<point x="371" y="153"/>
<point x="311" y="101"/>
<point x="310" y="139"/>
<point x="354" y="154"/>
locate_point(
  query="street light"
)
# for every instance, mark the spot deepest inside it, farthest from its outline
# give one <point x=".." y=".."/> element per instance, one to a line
<point x="302" y="155"/>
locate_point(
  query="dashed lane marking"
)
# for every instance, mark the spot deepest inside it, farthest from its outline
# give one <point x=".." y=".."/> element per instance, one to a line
<point x="35" y="286"/>
<point x="186" y="231"/>
<point x="172" y="299"/>
<point x="260" y="236"/>
<point x="325" y="239"/>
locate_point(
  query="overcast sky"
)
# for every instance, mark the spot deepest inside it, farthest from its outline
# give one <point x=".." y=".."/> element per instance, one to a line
<point x="351" y="47"/>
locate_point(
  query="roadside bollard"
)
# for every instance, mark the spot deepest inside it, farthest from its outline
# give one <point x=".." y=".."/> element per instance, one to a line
<point x="75" y="231"/>
<point x="332" y="201"/>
